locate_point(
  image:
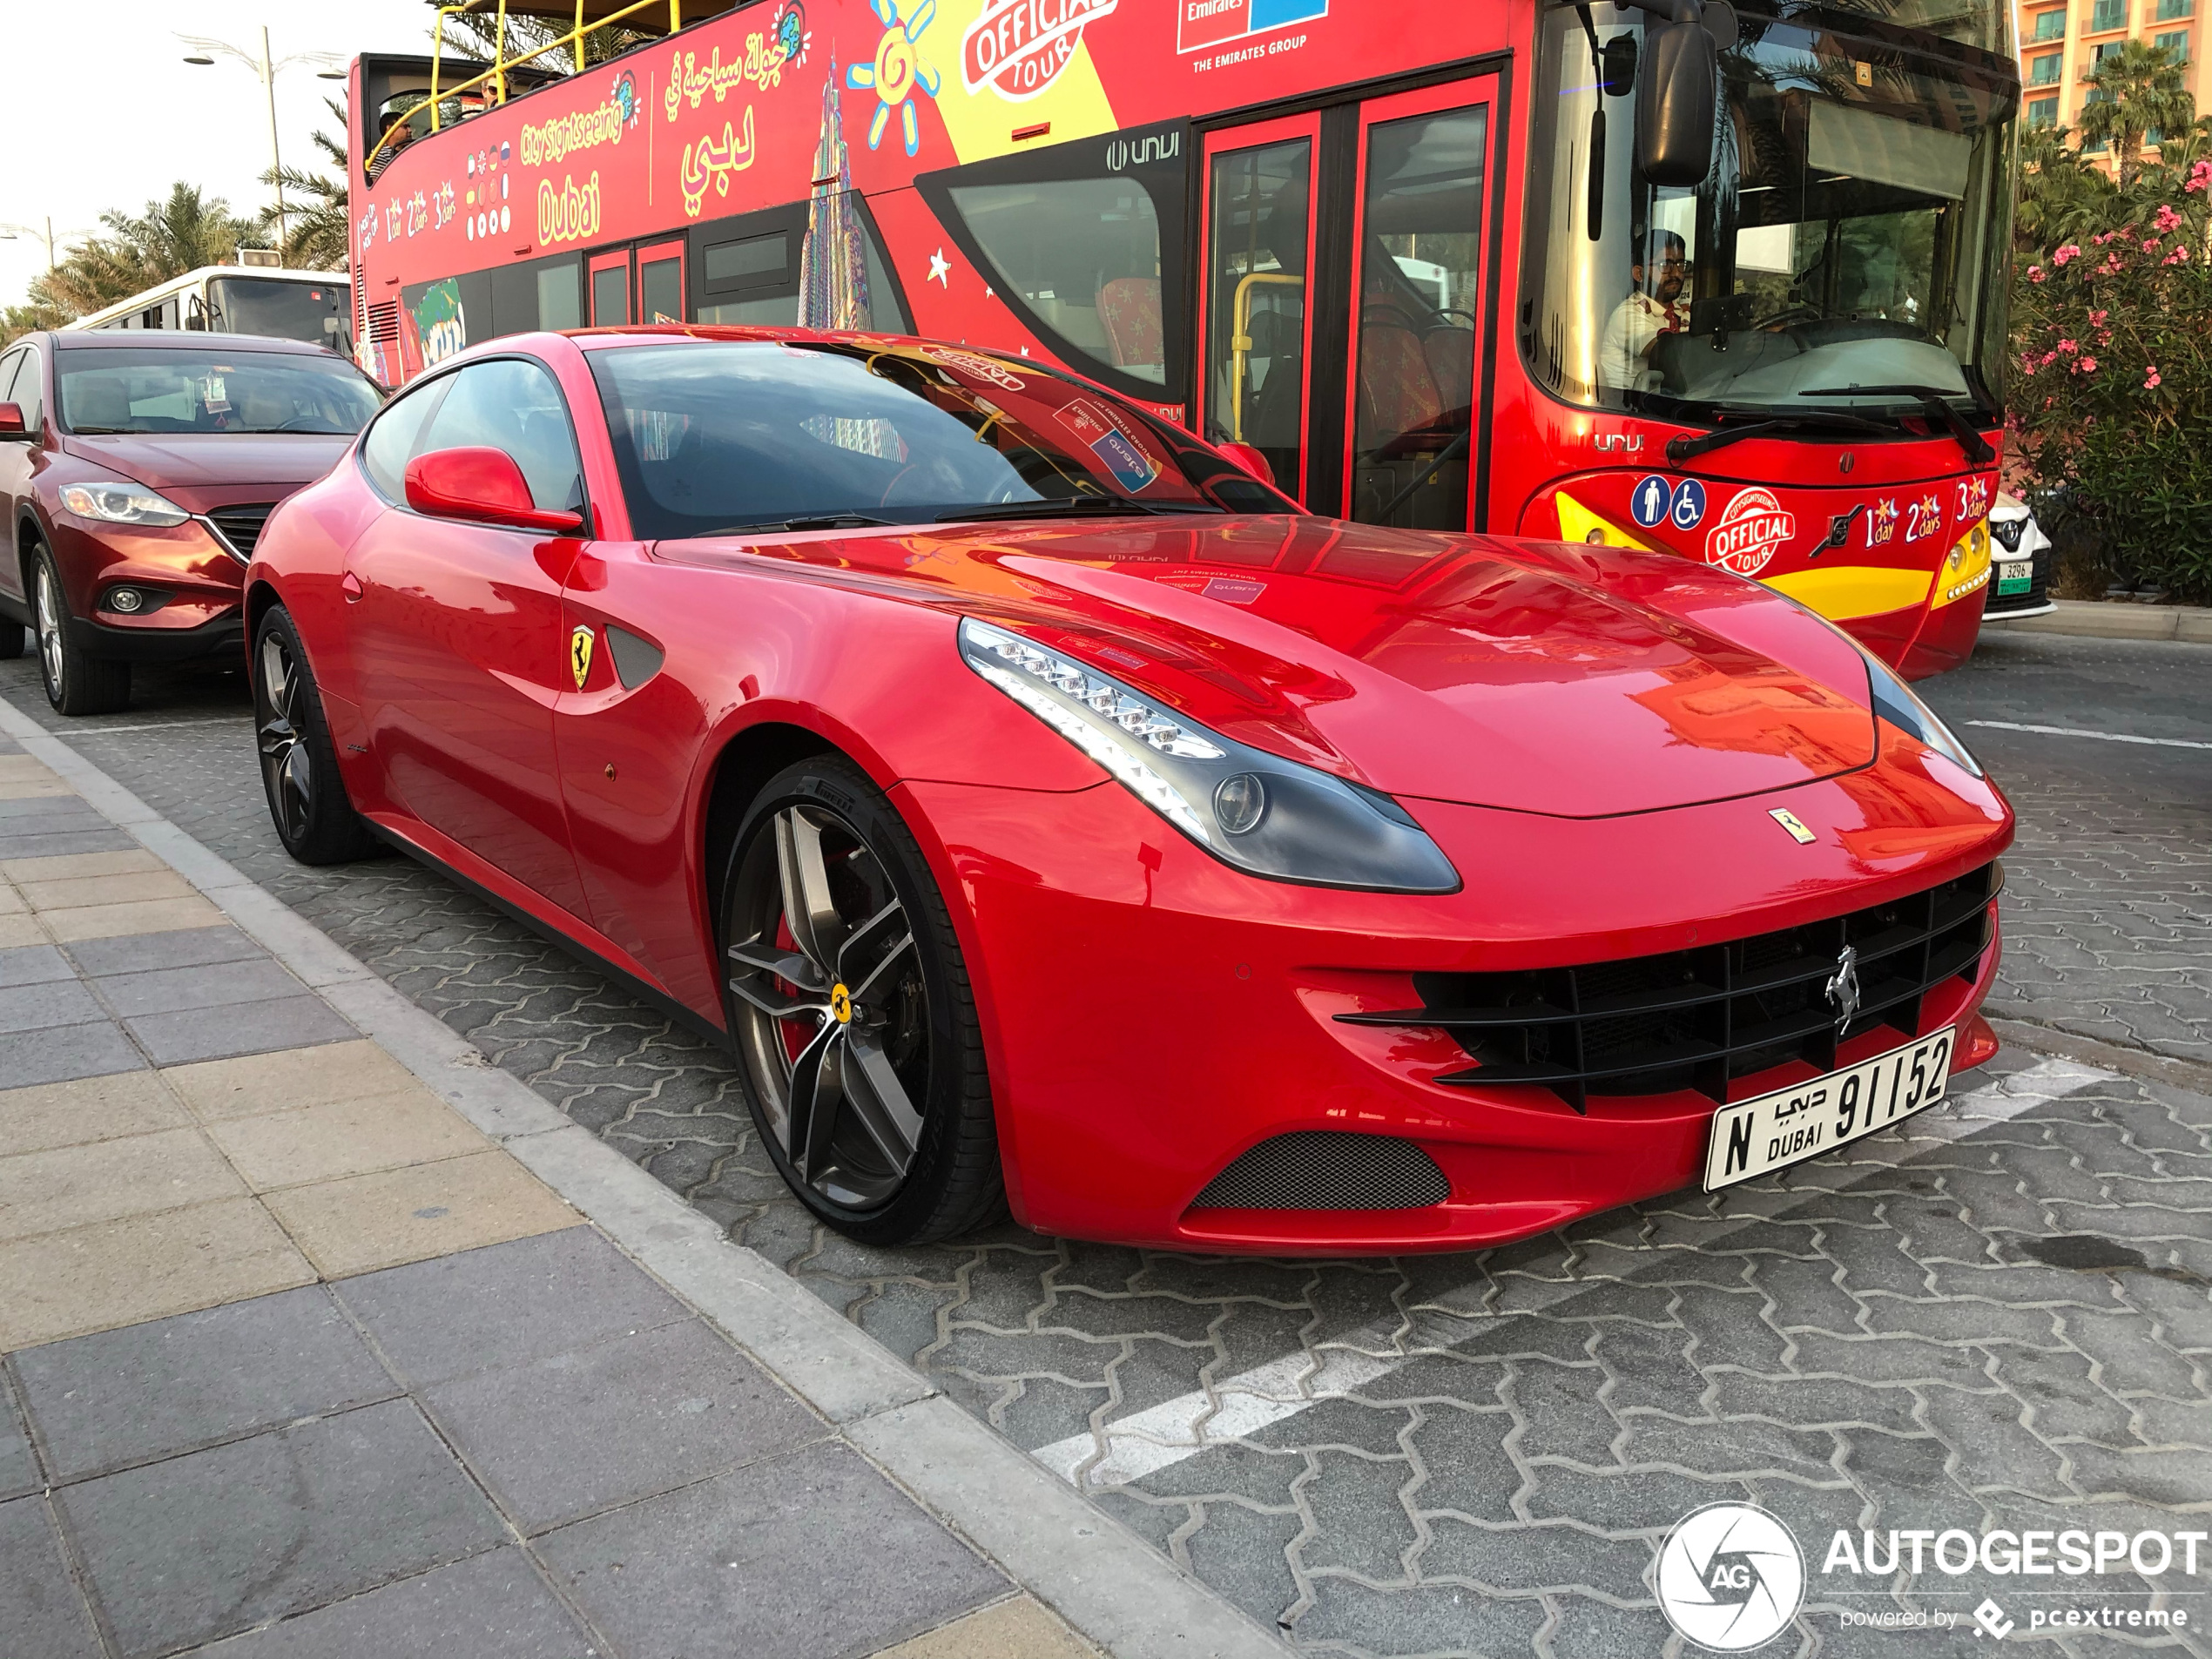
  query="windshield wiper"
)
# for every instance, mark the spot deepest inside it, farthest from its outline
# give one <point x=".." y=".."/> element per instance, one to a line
<point x="1934" y="401"/>
<point x="816" y="521"/>
<point x="1070" y="507"/>
<point x="1680" y="449"/>
<point x="109" y="431"/>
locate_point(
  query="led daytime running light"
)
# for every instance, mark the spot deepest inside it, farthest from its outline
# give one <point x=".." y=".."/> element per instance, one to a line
<point x="1146" y="784"/>
<point x="1138" y="718"/>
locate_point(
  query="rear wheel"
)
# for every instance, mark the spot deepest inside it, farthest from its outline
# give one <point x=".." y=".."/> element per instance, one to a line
<point x="76" y="681"/>
<point x="852" y="1013"/>
<point x="307" y="801"/>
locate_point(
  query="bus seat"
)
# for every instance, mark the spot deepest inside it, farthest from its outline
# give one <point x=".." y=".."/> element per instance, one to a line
<point x="1450" y="353"/>
<point x="1397" y="390"/>
<point x="1129" y="309"/>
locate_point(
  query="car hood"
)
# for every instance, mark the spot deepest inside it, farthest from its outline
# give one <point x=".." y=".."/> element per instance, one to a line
<point x="1539" y="676"/>
<point x="182" y="464"/>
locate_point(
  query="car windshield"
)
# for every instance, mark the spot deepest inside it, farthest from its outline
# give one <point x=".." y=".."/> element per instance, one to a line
<point x="288" y="310"/>
<point x="1847" y="251"/>
<point x="127" y="388"/>
<point x="716" y="435"/>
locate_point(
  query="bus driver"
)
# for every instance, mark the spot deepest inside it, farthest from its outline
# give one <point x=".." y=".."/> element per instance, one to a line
<point x="1655" y="306"/>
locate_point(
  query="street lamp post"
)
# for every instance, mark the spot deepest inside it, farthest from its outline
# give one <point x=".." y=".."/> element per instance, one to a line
<point x="264" y="67"/>
<point x="10" y="233"/>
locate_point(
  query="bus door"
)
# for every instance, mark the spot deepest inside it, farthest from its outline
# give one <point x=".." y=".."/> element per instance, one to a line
<point x="660" y="282"/>
<point x="1254" y="324"/>
<point x="607" y="285"/>
<point x="1343" y="259"/>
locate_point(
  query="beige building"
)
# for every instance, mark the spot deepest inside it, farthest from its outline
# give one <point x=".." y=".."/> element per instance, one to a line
<point x="2060" y="45"/>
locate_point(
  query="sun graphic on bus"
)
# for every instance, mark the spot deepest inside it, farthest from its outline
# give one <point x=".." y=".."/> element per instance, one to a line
<point x="898" y="67"/>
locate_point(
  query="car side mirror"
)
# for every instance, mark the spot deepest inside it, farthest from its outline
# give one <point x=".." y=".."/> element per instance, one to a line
<point x="11" y="424"/>
<point x="482" y="486"/>
<point x="1677" y="88"/>
<point x="1249" y="459"/>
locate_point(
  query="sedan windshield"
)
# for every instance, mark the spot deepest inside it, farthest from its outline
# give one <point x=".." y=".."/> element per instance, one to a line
<point x="727" y="435"/>
<point x="129" y="389"/>
<point x="1847" y="250"/>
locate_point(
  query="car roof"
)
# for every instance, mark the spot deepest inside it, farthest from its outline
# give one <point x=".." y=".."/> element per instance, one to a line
<point x="180" y="339"/>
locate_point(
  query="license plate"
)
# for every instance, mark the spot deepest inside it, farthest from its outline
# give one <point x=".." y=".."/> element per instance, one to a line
<point x="2015" y="575"/>
<point x="1792" y="1125"/>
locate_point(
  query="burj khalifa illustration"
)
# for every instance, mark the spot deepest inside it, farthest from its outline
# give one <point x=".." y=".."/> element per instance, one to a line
<point x="832" y="266"/>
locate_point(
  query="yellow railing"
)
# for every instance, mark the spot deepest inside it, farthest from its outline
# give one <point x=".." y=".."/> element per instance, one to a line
<point x="1240" y="342"/>
<point x="496" y="76"/>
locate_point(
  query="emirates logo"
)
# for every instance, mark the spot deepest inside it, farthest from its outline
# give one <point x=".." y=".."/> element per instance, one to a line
<point x="1750" y="532"/>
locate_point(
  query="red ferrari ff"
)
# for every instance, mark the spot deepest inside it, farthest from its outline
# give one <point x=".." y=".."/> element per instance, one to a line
<point x="1047" y="815"/>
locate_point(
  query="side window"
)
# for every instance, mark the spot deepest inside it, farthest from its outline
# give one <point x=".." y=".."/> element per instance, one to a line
<point x="513" y="405"/>
<point x="26" y="394"/>
<point x="395" y="438"/>
<point x="9" y="365"/>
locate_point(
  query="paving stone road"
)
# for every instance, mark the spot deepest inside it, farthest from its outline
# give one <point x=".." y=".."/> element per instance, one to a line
<point x="1479" y="1454"/>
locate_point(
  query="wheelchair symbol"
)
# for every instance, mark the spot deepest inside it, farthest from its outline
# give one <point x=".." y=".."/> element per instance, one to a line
<point x="1689" y="504"/>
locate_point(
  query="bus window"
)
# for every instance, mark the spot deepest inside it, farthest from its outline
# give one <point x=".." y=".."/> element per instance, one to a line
<point x="611" y="291"/>
<point x="751" y="278"/>
<point x="1084" y="242"/>
<point x="1420" y="229"/>
<point x="1258" y="201"/>
<point x="286" y="310"/>
<point x="559" y="300"/>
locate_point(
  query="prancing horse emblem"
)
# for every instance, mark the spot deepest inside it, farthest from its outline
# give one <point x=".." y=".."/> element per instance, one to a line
<point x="1843" y="987"/>
<point x="580" y="656"/>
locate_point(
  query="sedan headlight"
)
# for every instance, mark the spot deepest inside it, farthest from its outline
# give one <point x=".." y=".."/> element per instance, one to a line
<point x="1265" y="815"/>
<point x="112" y="501"/>
<point x="1896" y="702"/>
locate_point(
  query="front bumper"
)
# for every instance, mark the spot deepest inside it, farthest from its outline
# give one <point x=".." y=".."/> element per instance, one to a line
<point x="1150" y="1015"/>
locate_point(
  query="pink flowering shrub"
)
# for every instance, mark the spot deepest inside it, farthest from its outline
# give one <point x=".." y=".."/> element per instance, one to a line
<point x="2111" y="384"/>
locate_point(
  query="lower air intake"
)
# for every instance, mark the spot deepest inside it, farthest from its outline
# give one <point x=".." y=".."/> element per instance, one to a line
<point x="1328" y="1170"/>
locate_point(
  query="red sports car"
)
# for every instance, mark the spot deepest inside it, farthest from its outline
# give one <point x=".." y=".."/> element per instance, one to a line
<point x="1047" y="815"/>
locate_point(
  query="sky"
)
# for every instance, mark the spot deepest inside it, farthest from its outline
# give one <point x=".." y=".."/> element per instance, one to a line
<point x="104" y="112"/>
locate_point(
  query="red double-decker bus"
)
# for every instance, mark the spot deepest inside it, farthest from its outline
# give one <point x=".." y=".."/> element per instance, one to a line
<point x="1729" y="282"/>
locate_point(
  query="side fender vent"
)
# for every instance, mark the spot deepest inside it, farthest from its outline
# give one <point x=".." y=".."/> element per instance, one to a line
<point x="1328" y="1170"/>
<point x="637" y="659"/>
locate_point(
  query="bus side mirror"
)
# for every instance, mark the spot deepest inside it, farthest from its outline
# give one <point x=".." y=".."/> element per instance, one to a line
<point x="1676" y="91"/>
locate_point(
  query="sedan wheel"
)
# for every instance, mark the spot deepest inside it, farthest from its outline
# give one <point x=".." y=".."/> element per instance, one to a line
<point x="853" y="1014"/>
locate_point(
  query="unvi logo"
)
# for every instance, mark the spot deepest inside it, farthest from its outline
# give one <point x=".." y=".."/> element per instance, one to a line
<point x="1731" y="1577"/>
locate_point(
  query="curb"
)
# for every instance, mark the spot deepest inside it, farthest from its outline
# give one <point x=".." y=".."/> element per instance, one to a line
<point x="2143" y="1063"/>
<point x="2092" y="619"/>
<point x="1113" y="1588"/>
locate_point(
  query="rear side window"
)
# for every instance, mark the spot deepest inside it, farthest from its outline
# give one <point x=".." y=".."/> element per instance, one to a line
<point x="9" y="365"/>
<point x="513" y="405"/>
<point x="394" y="440"/>
<point x="24" y="393"/>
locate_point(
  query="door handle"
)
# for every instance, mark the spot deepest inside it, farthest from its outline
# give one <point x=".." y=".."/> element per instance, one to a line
<point x="350" y="585"/>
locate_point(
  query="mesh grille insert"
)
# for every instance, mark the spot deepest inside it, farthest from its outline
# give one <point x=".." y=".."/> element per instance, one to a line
<point x="1328" y="1170"/>
<point x="241" y="526"/>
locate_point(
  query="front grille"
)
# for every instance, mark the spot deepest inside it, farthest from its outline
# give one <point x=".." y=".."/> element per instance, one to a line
<point x="2038" y="587"/>
<point x="1699" y="1019"/>
<point x="240" y="527"/>
<point x="1321" y="1168"/>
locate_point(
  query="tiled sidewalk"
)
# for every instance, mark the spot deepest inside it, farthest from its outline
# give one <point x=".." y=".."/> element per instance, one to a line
<point x="300" y="1362"/>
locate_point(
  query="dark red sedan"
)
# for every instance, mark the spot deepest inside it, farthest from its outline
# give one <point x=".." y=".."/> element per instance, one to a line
<point x="1045" y="814"/>
<point x="136" y="471"/>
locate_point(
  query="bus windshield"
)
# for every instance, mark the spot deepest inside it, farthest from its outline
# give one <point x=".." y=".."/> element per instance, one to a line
<point x="714" y="437"/>
<point x="124" y="388"/>
<point x="1846" y="252"/>
<point x="286" y="310"/>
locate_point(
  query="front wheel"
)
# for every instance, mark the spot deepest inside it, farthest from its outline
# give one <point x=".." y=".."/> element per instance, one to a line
<point x="76" y="683"/>
<point x="307" y="801"/>
<point x="853" y="1014"/>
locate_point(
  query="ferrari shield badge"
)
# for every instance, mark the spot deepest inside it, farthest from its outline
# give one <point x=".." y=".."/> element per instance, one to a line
<point x="1781" y="815"/>
<point x="580" y="656"/>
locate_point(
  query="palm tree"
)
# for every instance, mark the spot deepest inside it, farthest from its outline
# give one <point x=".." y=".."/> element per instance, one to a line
<point x="2062" y="197"/>
<point x="476" y="36"/>
<point x="170" y="237"/>
<point x="317" y="236"/>
<point x="2136" y="91"/>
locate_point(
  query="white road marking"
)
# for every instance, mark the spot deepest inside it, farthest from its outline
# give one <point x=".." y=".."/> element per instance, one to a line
<point x="2078" y="732"/>
<point x="1147" y="1441"/>
<point x="240" y="720"/>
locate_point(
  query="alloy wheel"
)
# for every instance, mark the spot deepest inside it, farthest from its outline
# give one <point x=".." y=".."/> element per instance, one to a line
<point x="286" y="769"/>
<point x="50" y="632"/>
<point x="836" y="1032"/>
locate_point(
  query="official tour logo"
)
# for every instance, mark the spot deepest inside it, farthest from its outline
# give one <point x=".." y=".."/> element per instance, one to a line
<point x="1017" y="48"/>
<point x="1749" y="531"/>
<point x="1731" y="1577"/>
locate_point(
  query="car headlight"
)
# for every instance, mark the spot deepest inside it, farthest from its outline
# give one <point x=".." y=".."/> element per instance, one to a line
<point x="1896" y="702"/>
<point x="1258" y="811"/>
<point x="115" y="502"/>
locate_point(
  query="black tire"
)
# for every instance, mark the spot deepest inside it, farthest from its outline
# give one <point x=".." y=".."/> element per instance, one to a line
<point x="76" y="681"/>
<point x="896" y="1060"/>
<point x="15" y="639"/>
<point x="307" y="802"/>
